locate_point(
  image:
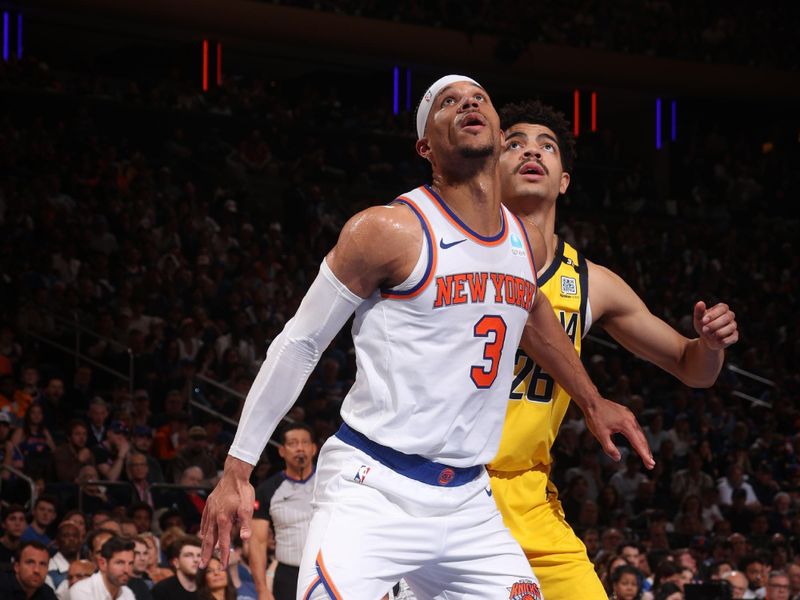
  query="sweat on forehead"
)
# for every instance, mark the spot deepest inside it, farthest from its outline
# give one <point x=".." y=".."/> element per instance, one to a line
<point x="430" y="95"/>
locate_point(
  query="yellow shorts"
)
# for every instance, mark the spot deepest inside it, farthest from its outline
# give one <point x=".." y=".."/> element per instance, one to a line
<point x="531" y="510"/>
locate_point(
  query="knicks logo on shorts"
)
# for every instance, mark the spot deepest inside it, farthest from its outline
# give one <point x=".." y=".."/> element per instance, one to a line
<point x="525" y="589"/>
<point x="446" y="476"/>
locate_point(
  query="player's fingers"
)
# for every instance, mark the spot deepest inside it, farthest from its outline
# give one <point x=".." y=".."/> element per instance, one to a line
<point x="224" y="538"/>
<point x="715" y="312"/>
<point x="245" y="523"/>
<point x="732" y="339"/>
<point x="208" y="535"/>
<point x="639" y="443"/>
<point x="719" y="323"/>
<point x="608" y="446"/>
<point x="699" y="310"/>
<point x="725" y="331"/>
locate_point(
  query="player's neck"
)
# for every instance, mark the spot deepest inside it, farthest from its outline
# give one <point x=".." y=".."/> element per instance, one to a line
<point x="475" y="200"/>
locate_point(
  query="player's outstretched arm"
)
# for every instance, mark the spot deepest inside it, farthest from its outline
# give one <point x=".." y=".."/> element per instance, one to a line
<point x="379" y="245"/>
<point x="696" y="362"/>
<point x="545" y="341"/>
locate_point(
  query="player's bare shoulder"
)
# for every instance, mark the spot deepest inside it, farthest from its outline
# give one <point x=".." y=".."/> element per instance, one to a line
<point x="609" y="294"/>
<point x="377" y="246"/>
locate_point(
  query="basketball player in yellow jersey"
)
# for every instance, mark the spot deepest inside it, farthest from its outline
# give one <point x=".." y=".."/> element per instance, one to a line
<point x="534" y="170"/>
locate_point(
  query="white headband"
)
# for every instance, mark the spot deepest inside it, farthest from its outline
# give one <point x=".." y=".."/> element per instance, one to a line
<point x="427" y="100"/>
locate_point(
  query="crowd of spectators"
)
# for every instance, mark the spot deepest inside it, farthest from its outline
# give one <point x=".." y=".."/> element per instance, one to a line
<point x="180" y="237"/>
<point x="695" y="31"/>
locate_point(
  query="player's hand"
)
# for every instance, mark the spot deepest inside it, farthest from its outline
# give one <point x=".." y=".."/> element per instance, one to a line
<point x="230" y="505"/>
<point x="716" y="326"/>
<point x="605" y="418"/>
<point x="265" y="595"/>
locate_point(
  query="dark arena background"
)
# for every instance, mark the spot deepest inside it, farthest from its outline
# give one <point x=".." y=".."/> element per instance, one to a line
<point x="172" y="173"/>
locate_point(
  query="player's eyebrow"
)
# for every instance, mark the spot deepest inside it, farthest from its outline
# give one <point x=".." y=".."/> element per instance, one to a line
<point x="546" y="136"/>
<point x="517" y="134"/>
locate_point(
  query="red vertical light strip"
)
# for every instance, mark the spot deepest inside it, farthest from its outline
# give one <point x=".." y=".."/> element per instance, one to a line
<point x="205" y="65"/>
<point x="594" y="112"/>
<point x="576" y="121"/>
<point x="219" y="63"/>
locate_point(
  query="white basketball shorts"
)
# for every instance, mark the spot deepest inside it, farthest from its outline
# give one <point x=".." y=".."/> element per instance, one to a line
<point x="436" y="526"/>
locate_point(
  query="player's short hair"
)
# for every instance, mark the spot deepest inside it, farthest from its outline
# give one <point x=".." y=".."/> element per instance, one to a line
<point x="537" y="113"/>
<point x="296" y="426"/>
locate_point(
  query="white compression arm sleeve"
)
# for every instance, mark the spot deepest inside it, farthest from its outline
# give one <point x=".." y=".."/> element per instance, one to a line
<point x="290" y="360"/>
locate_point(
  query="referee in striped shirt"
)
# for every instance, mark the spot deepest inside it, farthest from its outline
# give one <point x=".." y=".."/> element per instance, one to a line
<point x="285" y="501"/>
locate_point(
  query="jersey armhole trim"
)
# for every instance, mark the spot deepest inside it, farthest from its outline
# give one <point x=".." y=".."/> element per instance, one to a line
<point x="558" y="255"/>
<point x="530" y="254"/>
<point x="394" y="294"/>
<point x="583" y="276"/>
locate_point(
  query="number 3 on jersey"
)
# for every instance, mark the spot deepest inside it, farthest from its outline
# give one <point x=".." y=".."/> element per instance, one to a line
<point x="530" y="381"/>
<point x="492" y="351"/>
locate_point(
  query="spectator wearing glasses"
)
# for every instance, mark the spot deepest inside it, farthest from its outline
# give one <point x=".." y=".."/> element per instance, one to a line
<point x="778" y="587"/>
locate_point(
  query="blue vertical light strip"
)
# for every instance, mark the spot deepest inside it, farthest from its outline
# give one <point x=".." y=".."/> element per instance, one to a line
<point x="674" y="129"/>
<point x="658" y="123"/>
<point x="396" y="95"/>
<point x="19" y="36"/>
<point x="408" y="89"/>
<point x="5" y="36"/>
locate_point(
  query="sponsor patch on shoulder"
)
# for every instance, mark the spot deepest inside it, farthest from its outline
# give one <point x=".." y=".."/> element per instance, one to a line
<point x="569" y="287"/>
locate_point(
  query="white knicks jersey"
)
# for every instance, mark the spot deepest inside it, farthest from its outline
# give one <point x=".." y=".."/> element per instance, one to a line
<point x="436" y="355"/>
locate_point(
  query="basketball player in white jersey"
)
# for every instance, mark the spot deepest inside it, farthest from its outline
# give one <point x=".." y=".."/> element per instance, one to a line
<point x="443" y="284"/>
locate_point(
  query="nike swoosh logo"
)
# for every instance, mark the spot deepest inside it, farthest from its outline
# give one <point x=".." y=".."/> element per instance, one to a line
<point x="444" y="245"/>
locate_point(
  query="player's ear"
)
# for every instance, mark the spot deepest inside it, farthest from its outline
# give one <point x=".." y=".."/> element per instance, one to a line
<point x="564" y="184"/>
<point x="423" y="148"/>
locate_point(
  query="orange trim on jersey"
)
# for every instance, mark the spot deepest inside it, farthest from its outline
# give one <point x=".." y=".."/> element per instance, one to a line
<point x="462" y="227"/>
<point x="326" y="578"/>
<point x="311" y="588"/>
<point x="428" y="233"/>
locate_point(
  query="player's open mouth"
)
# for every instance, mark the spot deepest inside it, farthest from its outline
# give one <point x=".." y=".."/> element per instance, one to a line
<point x="472" y="122"/>
<point x="532" y="170"/>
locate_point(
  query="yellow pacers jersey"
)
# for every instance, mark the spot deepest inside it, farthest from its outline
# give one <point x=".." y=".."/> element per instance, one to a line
<point x="537" y="404"/>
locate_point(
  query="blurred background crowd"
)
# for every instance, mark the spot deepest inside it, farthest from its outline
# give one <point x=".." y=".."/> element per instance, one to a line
<point x="154" y="238"/>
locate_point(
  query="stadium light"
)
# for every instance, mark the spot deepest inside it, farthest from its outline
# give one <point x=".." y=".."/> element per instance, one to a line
<point x="658" y="123"/>
<point x="205" y="65"/>
<point x="396" y="90"/>
<point x="5" y="36"/>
